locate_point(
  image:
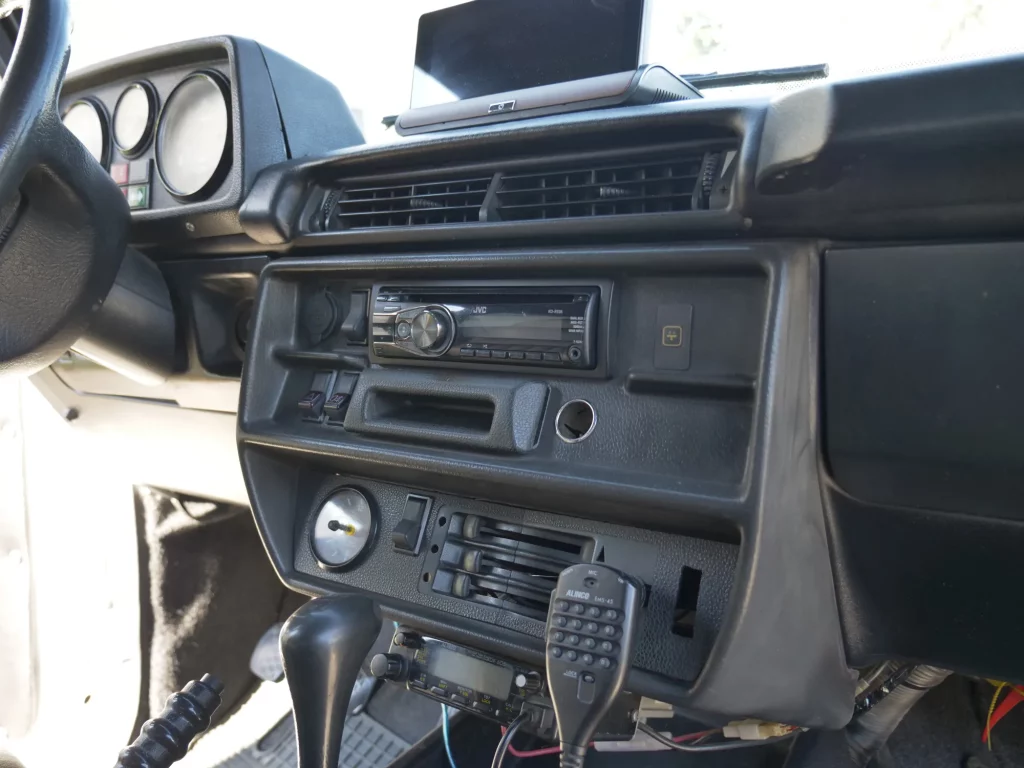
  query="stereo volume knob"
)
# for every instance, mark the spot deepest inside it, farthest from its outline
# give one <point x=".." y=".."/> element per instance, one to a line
<point x="432" y="331"/>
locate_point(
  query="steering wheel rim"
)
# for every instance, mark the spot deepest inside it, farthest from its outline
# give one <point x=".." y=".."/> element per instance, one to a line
<point x="63" y="221"/>
<point x="31" y="85"/>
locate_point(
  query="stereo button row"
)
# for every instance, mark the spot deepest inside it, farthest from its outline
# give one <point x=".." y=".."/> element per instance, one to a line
<point x="501" y="354"/>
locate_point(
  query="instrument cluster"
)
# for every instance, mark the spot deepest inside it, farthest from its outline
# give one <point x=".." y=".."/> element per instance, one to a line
<point x="165" y="139"/>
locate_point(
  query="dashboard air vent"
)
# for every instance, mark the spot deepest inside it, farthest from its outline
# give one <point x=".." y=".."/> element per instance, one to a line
<point x="508" y="566"/>
<point x="454" y="201"/>
<point x="658" y="185"/>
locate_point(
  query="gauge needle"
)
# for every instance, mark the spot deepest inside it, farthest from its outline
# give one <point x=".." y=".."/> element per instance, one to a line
<point x="334" y="525"/>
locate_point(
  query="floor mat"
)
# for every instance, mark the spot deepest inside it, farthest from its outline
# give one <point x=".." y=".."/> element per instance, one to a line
<point x="366" y="744"/>
<point x="212" y="591"/>
<point x="409" y="715"/>
<point x="944" y="731"/>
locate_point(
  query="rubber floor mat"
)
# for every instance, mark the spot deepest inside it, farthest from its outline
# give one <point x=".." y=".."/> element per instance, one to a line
<point x="366" y="744"/>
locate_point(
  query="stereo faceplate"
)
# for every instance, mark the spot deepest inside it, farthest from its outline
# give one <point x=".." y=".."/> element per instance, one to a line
<point x="516" y="325"/>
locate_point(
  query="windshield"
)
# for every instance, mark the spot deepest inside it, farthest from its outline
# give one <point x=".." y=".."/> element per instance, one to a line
<point x="367" y="48"/>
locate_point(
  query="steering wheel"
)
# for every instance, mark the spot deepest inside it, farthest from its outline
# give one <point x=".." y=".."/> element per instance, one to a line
<point x="63" y="221"/>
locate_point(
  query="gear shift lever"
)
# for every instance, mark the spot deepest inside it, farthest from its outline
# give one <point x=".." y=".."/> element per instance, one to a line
<point x="323" y="644"/>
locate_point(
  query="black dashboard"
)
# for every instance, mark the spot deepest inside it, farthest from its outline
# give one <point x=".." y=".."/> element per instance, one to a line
<point x="780" y="388"/>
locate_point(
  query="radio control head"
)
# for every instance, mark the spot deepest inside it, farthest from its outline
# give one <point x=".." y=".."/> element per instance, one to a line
<point x="433" y="330"/>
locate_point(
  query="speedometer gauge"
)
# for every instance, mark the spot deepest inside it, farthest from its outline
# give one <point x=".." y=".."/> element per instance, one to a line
<point x="193" y="143"/>
<point x="133" y="118"/>
<point x="87" y="120"/>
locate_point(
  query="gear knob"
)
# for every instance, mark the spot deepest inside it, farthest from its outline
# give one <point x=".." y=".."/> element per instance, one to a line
<point x="323" y="645"/>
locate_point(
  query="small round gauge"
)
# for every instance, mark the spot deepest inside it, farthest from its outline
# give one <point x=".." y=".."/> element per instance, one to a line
<point x="193" y="142"/>
<point x="344" y="529"/>
<point x="133" y="118"/>
<point x="87" y="120"/>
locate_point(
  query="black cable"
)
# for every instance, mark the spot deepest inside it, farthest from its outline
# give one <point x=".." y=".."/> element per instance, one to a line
<point x="873" y="677"/>
<point x="719" y="747"/>
<point x="506" y="739"/>
<point x="890" y="684"/>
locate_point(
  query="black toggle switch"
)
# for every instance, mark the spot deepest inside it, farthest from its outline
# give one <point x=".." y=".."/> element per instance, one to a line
<point x="353" y="327"/>
<point x="408" y="534"/>
<point x="312" y="403"/>
<point x="336" y="405"/>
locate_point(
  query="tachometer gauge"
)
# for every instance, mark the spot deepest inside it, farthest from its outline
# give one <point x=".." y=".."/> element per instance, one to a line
<point x="193" y="142"/>
<point x="87" y="120"/>
<point x="133" y="118"/>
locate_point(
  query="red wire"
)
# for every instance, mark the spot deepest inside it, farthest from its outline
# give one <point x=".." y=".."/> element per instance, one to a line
<point x="555" y="750"/>
<point x="533" y="752"/>
<point x="1012" y="700"/>
<point x="692" y="736"/>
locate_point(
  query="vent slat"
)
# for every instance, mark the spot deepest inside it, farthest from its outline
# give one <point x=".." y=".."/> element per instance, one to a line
<point x="695" y="160"/>
<point x="417" y="196"/>
<point x="570" y="203"/>
<point x="407" y="211"/>
<point x="359" y="190"/>
<point x="689" y="177"/>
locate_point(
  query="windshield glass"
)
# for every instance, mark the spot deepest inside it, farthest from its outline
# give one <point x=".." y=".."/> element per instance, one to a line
<point x="367" y="48"/>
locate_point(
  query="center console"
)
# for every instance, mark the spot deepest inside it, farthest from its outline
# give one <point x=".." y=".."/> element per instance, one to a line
<point x="447" y="433"/>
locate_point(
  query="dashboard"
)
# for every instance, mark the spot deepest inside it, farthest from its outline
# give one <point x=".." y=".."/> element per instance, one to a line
<point x="755" y="353"/>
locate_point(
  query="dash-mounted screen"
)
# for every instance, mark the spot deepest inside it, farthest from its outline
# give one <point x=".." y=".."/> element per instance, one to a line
<point x="492" y="46"/>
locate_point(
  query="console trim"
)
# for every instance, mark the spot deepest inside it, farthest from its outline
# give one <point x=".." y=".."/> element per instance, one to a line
<point x="775" y="509"/>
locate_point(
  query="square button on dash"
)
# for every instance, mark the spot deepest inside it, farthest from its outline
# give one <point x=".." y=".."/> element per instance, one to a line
<point x="138" y="196"/>
<point x="138" y="172"/>
<point x="119" y="173"/>
<point x="672" y="336"/>
<point x="672" y="343"/>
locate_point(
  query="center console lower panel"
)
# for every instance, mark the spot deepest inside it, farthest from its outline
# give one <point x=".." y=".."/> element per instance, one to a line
<point x="687" y="579"/>
<point x="676" y="444"/>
